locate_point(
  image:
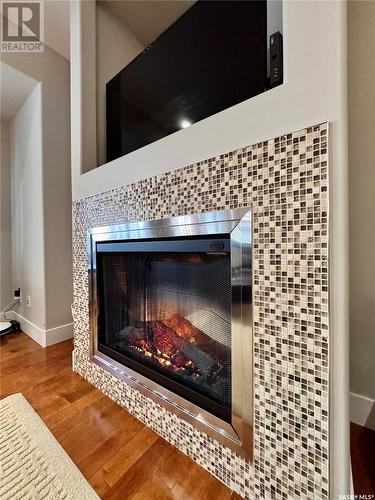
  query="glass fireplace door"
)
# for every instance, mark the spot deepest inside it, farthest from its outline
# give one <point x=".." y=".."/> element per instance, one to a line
<point x="164" y="310"/>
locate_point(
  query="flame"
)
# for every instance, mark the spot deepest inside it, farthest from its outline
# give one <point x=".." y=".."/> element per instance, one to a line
<point x="172" y="362"/>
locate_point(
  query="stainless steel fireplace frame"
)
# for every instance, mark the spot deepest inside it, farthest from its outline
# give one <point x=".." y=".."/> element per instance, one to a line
<point x="237" y="434"/>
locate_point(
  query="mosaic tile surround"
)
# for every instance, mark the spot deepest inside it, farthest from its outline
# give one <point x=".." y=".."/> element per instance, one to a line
<point x="285" y="180"/>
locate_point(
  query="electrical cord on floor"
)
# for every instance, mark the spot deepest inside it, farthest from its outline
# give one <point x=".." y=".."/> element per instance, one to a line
<point x="9" y="307"/>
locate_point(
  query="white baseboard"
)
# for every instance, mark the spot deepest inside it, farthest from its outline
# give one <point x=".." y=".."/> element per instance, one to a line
<point x="33" y="331"/>
<point x="43" y="337"/>
<point x="59" y="333"/>
<point x="362" y="410"/>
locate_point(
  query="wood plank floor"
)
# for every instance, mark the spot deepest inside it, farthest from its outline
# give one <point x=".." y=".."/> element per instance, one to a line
<point x="362" y="447"/>
<point x="118" y="455"/>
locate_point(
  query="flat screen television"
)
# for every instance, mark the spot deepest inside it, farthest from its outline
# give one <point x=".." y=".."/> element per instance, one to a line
<point x="213" y="57"/>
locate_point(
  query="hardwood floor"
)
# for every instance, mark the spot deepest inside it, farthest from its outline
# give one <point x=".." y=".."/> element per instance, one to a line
<point x="362" y="447"/>
<point x="119" y="456"/>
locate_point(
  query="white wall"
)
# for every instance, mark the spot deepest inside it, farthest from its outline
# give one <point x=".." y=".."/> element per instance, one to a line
<point x="57" y="191"/>
<point x="28" y="270"/>
<point x="52" y="70"/>
<point x="6" y="291"/>
<point x="114" y="38"/>
<point x="305" y="99"/>
<point x="315" y="90"/>
<point x="362" y="198"/>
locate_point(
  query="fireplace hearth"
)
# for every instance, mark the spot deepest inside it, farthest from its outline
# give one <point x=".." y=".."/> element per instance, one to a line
<point x="170" y="311"/>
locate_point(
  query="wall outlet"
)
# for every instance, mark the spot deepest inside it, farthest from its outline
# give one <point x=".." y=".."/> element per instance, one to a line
<point x="28" y="301"/>
<point x="21" y="297"/>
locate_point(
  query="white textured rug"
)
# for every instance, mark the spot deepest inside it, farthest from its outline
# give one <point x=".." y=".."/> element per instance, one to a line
<point x="33" y="465"/>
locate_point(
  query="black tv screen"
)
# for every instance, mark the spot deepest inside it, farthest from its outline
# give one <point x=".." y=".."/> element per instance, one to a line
<point x="213" y="57"/>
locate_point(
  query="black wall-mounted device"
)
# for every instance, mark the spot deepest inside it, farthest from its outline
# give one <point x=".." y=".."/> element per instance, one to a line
<point x="276" y="59"/>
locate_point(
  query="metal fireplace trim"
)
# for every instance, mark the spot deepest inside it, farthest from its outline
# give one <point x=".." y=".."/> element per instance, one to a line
<point x="237" y="223"/>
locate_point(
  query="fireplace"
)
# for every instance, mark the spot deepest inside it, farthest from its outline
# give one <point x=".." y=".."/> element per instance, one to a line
<point x="170" y="311"/>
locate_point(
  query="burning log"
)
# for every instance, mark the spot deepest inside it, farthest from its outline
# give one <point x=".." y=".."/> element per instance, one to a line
<point x="193" y="335"/>
<point x="168" y="342"/>
<point x="164" y="339"/>
<point x="134" y="337"/>
<point x="185" y="329"/>
<point x="160" y="346"/>
<point x="184" y="349"/>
